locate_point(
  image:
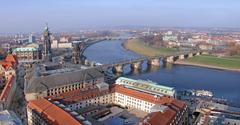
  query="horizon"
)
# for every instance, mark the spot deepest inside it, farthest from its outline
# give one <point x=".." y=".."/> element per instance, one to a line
<point x="137" y="27"/>
<point x="61" y="62"/>
<point x="31" y="16"/>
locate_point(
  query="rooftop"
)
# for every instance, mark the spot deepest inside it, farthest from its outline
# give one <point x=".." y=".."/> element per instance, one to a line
<point x="7" y="88"/>
<point x="149" y="97"/>
<point x="33" y="45"/>
<point x="161" y="118"/>
<point x="79" y="95"/>
<point x="38" y="84"/>
<point x="6" y="65"/>
<point x="25" y="49"/>
<point x="146" y="86"/>
<point x="54" y="114"/>
<point x="9" y="61"/>
<point x="163" y="112"/>
<point x="11" y="58"/>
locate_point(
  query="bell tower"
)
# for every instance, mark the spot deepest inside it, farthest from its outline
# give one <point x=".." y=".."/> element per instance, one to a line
<point x="47" y="53"/>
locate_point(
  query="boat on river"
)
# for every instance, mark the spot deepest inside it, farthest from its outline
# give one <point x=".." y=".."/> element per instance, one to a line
<point x="203" y="93"/>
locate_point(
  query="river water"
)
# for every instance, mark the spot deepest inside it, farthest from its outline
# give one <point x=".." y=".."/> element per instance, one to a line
<point x="224" y="84"/>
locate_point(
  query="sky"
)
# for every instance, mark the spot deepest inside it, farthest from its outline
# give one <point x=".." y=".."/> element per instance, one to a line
<point x="62" y="15"/>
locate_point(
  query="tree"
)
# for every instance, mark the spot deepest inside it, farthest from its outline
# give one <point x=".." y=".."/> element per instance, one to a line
<point x="155" y="41"/>
<point x="2" y="53"/>
<point x="233" y="48"/>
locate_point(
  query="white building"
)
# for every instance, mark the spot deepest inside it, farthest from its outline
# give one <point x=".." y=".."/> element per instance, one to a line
<point x="55" y="44"/>
<point x="118" y="94"/>
<point x="147" y="86"/>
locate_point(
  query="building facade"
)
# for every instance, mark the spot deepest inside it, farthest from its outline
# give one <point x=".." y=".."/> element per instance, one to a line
<point x="164" y="110"/>
<point x="8" y="68"/>
<point x="51" y="85"/>
<point x="31" y="38"/>
<point x="27" y="53"/>
<point x="61" y="45"/>
<point x="147" y="86"/>
<point x="7" y="93"/>
<point x="43" y="112"/>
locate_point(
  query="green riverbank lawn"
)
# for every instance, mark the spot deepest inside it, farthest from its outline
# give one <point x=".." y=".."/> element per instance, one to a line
<point x="226" y="62"/>
<point x="139" y="47"/>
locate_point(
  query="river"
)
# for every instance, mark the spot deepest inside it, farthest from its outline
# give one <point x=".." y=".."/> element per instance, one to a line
<point x="224" y="84"/>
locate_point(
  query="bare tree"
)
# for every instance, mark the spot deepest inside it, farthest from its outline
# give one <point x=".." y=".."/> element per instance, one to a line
<point x="233" y="48"/>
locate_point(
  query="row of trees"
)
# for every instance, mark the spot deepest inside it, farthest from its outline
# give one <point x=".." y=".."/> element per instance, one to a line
<point x="155" y="41"/>
<point x="234" y="48"/>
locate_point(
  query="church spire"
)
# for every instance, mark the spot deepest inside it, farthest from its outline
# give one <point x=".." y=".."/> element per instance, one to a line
<point x="47" y="54"/>
<point x="46" y="27"/>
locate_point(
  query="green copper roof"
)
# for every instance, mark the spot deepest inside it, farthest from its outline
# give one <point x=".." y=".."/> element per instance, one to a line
<point x="146" y="85"/>
<point x="25" y="49"/>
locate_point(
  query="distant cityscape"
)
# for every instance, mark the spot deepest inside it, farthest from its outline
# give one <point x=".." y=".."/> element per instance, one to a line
<point x="46" y="78"/>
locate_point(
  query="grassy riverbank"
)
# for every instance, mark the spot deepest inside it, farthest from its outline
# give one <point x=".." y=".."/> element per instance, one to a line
<point x="226" y="63"/>
<point x="140" y="47"/>
<point x="232" y="62"/>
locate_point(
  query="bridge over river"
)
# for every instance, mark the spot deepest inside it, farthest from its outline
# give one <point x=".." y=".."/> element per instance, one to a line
<point x="136" y="64"/>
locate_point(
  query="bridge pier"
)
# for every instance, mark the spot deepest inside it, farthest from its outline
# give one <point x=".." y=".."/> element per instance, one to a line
<point x="181" y="57"/>
<point x="118" y="69"/>
<point x="190" y="55"/>
<point x="82" y="61"/>
<point x="85" y="62"/>
<point x="175" y="58"/>
<point x="169" y="59"/>
<point x="154" y="62"/>
<point x="136" y="65"/>
<point x="92" y="64"/>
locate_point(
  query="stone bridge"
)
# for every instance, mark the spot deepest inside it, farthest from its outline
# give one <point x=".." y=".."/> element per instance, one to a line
<point x="136" y="64"/>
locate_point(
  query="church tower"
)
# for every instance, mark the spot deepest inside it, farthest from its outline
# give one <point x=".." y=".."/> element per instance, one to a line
<point x="47" y="53"/>
<point x="76" y="52"/>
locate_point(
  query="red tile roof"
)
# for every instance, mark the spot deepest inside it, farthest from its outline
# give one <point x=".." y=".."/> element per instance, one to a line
<point x="54" y="114"/>
<point x="6" y="65"/>
<point x="79" y="95"/>
<point x="156" y="118"/>
<point x="11" y="58"/>
<point x="7" y="89"/>
<point x="9" y="61"/>
<point x="159" y="118"/>
<point x="143" y="96"/>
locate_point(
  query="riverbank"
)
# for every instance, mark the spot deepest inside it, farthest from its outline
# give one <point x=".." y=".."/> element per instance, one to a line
<point x="225" y="63"/>
<point x="224" y="84"/>
<point x="231" y="63"/>
<point x="140" y="47"/>
<point x="204" y="66"/>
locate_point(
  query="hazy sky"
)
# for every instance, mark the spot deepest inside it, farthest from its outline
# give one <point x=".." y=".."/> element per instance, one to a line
<point x="31" y="15"/>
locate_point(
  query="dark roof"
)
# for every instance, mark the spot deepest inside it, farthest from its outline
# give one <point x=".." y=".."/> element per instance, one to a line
<point x="38" y="84"/>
